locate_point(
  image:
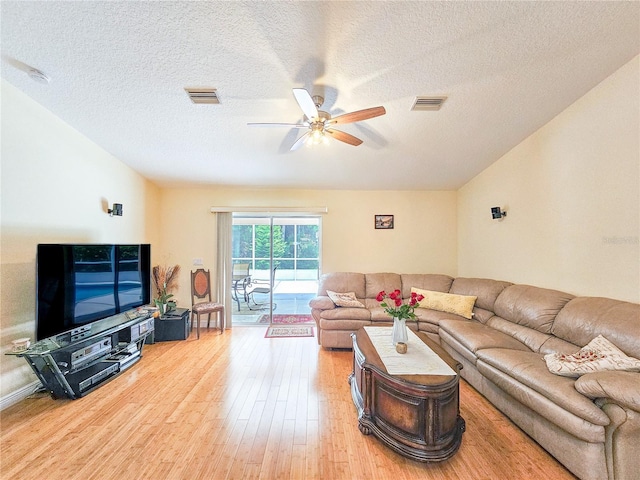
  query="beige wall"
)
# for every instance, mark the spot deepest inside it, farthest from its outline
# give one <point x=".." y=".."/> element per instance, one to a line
<point x="572" y="195"/>
<point x="423" y="240"/>
<point x="571" y="190"/>
<point x="56" y="185"/>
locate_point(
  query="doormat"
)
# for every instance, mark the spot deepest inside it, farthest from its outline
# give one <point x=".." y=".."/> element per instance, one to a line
<point x="287" y="319"/>
<point x="283" y="331"/>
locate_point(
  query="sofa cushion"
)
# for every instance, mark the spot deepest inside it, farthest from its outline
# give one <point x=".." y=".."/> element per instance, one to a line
<point x="485" y="289"/>
<point x="475" y="336"/>
<point x="434" y="282"/>
<point x="342" y="282"/>
<point x="530" y="369"/>
<point x="621" y="387"/>
<point x="427" y="327"/>
<point x="322" y="302"/>
<point x="378" y="314"/>
<point x="425" y="315"/>
<point x="531" y="307"/>
<point x="481" y="315"/>
<point x="377" y="282"/>
<point x="446" y="302"/>
<point x="346" y="313"/>
<point x="557" y="345"/>
<point x="597" y="356"/>
<point x="530" y="337"/>
<point x="584" y="318"/>
<point x="347" y="299"/>
<point x="346" y="324"/>
<point x="556" y="414"/>
<point x="447" y="340"/>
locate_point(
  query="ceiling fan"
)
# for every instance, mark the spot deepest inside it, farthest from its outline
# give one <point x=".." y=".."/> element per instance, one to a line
<point x="319" y="123"/>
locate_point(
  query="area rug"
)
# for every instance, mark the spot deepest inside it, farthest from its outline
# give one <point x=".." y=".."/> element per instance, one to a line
<point x="287" y="319"/>
<point x="284" y="331"/>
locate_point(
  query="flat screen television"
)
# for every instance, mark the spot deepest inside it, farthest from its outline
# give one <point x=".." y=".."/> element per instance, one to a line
<point x="84" y="283"/>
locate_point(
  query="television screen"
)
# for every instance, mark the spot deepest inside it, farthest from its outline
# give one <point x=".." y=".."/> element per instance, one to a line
<point x="80" y="284"/>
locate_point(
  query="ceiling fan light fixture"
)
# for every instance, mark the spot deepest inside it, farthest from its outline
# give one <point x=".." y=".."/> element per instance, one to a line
<point x="321" y="124"/>
<point x="317" y="133"/>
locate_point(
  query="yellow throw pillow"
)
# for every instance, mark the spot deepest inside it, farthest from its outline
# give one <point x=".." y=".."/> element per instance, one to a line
<point x="447" y="302"/>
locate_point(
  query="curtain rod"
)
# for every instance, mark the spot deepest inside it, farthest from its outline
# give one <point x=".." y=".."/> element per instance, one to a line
<point x="315" y="210"/>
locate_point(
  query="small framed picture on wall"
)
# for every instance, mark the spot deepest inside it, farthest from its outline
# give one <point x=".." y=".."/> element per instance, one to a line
<point x="383" y="222"/>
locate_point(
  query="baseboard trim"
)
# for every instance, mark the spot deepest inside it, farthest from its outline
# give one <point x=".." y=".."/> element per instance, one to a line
<point x="20" y="394"/>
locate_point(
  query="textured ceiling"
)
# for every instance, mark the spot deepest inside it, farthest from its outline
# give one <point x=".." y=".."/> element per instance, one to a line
<point x="118" y="72"/>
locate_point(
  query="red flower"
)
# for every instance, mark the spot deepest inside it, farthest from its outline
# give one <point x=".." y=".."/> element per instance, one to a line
<point x="398" y="308"/>
<point x="420" y="297"/>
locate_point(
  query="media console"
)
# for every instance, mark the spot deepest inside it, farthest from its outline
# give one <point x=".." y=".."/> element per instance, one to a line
<point x="76" y="362"/>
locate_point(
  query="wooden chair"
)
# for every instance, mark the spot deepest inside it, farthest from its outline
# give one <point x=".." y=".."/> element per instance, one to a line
<point x="201" y="289"/>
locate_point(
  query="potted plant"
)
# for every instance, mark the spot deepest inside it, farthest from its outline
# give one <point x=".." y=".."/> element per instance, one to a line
<point x="165" y="279"/>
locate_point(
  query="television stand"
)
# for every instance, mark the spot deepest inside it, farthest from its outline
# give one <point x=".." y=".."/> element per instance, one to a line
<point x="72" y="364"/>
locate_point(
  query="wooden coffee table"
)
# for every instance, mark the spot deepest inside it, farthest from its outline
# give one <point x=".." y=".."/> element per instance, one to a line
<point x="418" y="416"/>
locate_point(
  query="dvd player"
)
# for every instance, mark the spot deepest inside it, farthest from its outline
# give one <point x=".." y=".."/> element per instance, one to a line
<point x="87" y="353"/>
<point x="89" y="377"/>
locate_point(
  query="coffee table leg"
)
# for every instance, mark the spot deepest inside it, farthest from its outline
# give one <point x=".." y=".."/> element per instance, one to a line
<point x="364" y="429"/>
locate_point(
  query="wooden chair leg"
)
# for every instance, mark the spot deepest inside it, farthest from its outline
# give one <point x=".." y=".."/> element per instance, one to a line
<point x="198" y="326"/>
<point x="221" y="320"/>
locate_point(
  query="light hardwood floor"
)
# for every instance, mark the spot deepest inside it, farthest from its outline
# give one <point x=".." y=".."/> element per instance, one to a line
<point x="240" y="406"/>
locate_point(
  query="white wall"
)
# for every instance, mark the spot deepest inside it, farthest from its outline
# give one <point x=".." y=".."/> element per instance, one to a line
<point x="56" y="185"/>
<point x="572" y="195"/>
<point x="423" y="240"/>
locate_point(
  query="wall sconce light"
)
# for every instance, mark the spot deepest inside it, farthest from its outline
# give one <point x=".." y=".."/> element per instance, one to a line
<point x="116" y="210"/>
<point x="497" y="214"/>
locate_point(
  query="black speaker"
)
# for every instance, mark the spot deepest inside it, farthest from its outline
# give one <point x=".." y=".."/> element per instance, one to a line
<point x="116" y="210"/>
<point x="496" y="213"/>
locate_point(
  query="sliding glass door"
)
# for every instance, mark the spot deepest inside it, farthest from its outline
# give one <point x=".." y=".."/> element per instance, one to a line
<point x="276" y="266"/>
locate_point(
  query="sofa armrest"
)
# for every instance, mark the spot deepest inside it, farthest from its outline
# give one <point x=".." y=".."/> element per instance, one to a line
<point x="621" y="387"/>
<point x="322" y="302"/>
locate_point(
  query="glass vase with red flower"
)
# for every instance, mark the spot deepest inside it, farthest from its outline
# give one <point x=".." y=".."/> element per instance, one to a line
<point x="400" y="311"/>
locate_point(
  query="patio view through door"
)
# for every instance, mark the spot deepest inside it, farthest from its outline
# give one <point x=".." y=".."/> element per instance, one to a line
<point x="276" y="261"/>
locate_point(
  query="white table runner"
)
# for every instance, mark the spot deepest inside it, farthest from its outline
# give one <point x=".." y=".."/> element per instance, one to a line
<point x="419" y="359"/>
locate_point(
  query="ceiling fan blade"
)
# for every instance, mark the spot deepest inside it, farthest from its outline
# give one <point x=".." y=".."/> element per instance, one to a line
<point x="344" y="137"/>
<point x="300" y="142"/>
<point x="306" y="103"/>
<point x="290" y="125"/>
<point x="358" y="116"/>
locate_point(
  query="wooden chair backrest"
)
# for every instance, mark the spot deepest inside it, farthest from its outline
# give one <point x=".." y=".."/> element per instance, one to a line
<point x="200" y="284"/>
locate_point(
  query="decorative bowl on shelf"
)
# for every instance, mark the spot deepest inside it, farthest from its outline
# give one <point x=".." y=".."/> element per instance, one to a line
<point x="20" y="345"/>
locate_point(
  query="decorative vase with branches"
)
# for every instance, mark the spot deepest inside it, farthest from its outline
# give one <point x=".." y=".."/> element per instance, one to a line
<point x="165" y="279"/>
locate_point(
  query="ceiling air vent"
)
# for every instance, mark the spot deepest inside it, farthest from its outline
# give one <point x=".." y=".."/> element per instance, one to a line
<point x="203" y="95"/>
<point x="428" y="103"/>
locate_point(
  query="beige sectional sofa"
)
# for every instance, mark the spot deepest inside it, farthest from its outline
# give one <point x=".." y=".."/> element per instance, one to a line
<point x="590" y="424"/>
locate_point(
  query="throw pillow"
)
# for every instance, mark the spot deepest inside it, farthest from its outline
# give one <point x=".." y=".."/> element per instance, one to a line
<point x="598" y="355"/>
<point x="447" y="302"/>
<point x="344" y="299"/>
